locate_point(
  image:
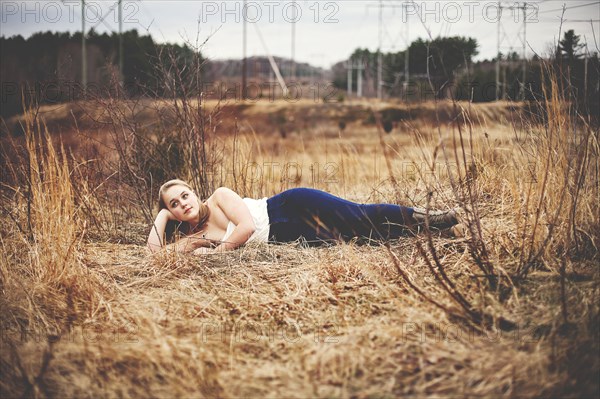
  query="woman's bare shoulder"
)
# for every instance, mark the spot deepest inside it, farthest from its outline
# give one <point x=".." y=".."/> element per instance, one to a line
<point x="224" y="195"/>
<point x="217" y="193"/>
<point x="220" y="196"/>
<point x="223" y="191"/>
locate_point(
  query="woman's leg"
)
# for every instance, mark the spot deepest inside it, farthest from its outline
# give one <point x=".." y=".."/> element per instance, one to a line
<point x="319" y="216"/>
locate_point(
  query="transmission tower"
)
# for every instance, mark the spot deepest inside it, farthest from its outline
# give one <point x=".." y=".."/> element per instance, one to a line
<point x="101" y="19"/>
<point x="519" y="14"/>
<point x="381" y="6"/>
<point x="352" y="66"/>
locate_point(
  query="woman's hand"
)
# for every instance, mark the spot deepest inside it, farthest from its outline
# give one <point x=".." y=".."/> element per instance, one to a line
<point x="168" y="214"/>
<point x="203" y="251"/>
<point x="190" y="243"/>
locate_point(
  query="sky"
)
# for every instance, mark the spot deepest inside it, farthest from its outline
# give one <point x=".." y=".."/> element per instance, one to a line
<point x="326" y="32"/>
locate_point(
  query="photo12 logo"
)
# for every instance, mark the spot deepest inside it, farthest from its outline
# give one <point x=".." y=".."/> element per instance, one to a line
<point x="253" y="332"/>
<point x="471" y="11"/>
<point x="71" y="11"/>
<point x="269" y="11"/>
<point x="286" y="172"/>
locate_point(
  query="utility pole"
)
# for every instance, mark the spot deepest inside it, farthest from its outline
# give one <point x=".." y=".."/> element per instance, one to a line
<point x="585" y="74"/>
<point x="524" y="56"/>
<point x="380" y="55"/>
<point x="349" y="83"/>
<point x="498" y="53"/>
<point x="83" y="50"/>
<point x="121" y="76"/>
<point x="360" y="66"/>
<point x="244" y="58"/>
<point x="293" y="66"/>
<point x="504" y="83"/>
<point x="406" y="55"/>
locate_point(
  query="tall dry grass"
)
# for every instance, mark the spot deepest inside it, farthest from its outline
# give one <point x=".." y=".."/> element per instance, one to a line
<point x="46" y="287"/>
<point x="529" y="200"/>
<point x="508" y="310"/>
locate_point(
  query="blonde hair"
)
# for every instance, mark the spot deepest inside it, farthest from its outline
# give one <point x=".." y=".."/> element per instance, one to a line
<point x="203" y="212"/>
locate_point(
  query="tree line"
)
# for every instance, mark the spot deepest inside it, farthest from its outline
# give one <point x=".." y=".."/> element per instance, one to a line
<point x="444" y="68"/>
<point x="47" y="67"/>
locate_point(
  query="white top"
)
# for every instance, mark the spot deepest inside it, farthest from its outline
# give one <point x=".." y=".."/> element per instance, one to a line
<point x="260" y="215"/>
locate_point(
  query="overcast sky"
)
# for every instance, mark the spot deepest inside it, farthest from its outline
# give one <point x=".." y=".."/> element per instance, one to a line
<point x="326" y="31"/>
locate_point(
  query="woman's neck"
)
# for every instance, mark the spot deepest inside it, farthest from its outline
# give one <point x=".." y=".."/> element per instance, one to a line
<point x="197" y="225"/>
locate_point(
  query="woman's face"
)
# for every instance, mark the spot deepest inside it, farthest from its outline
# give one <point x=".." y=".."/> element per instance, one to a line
<point x="183" y="203"/>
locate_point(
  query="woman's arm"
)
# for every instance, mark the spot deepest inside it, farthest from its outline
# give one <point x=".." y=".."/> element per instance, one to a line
<point x="237" y="212"/>
<point x="158" y="230"/>
<point x="155" y="238"/>
<point x="188" y="244"/>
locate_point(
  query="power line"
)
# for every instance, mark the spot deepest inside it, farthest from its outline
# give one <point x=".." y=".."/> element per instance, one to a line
<point x="569" y="8"/>
<point x="102" y="19"/>
<point x="570" y="20"/>
<point x="482" y="17"/>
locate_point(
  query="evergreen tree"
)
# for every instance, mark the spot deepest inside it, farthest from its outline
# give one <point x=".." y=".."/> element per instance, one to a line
<point x="569" y="46"/>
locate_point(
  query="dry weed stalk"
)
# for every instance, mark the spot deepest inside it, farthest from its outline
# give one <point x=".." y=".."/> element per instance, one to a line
<point x="142" y="154"/>
<point x="553" y="213"/>
<point x="46" y="288"/>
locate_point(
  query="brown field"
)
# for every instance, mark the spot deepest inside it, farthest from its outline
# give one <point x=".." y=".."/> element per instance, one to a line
<point x="508" y="310"/>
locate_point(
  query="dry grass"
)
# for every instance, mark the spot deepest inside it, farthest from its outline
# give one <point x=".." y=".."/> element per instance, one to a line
<point x="94" y="319"/>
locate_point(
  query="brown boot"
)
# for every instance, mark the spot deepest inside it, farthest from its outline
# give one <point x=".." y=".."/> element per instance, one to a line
<point x="439" y="220"/>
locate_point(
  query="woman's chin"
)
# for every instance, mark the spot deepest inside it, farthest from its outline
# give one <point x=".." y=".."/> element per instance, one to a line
<point x="190" y="217"/>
